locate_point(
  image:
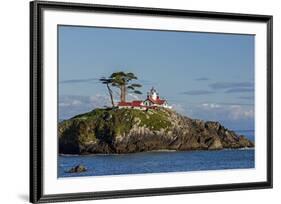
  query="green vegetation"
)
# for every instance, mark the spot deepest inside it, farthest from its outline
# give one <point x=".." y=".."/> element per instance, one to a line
<point x="115" y="130"/>
<point x="154" y="119"/>
<point x="107" y="123"/>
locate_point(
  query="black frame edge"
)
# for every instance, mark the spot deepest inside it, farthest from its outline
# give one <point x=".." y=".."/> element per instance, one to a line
<point x="36" y="103"/>
<point x="270" y="101"/>
<point x="152" y="11"/>
<point x="36" y="156"/>
<point x="152" y="192"/>
<point x="32" y="159"/>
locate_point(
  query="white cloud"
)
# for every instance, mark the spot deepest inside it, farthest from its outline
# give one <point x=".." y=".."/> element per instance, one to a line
<point x="179" y="108"/>
<point x="132" y="96"/>
<point x="70" y="106"/>
<point x="67" y="103"/>
<point x="238" y="112"/>
<point x="231" y="112"/>
<point x="210" y="105"/>
<point x="230" y="115"/>
<point x="216" y="111"/>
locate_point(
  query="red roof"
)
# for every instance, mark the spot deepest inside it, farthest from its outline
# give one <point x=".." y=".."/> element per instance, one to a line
<point x="157" y="101"/>
<point x="122" y="103"/>
<point x="136" y="103"/>
<point x="160" y="102"/>
<point x="139" y="103"/>
<point x="133" y="103"/>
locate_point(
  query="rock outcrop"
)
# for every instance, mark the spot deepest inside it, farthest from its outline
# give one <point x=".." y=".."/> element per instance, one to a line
<point x="77" y="169"/>
<point x="130" y="130"/>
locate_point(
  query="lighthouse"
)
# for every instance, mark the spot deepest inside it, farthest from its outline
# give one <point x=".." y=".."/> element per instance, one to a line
<point x="153" y="94"/>
<point x="152" y="101"/>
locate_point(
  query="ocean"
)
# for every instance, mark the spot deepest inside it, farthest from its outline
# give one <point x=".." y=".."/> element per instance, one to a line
<point x="159" y="161"/>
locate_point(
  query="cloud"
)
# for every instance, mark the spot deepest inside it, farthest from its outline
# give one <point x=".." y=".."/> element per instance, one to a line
<point x="72" y="81"/>
<point x="221" y="112"/>
<point x="229" y="112"/>
<point x="231" y="85"/>
<point x="246" y="97"/>
<point x="211" y="105"/>
<point x="179" y="108"/>
<point x="233" y="104"/>
<point x="132" y="96"/>
<point x="237" y="112"/>
<point x="239" y="90"/>
<point x="233" y="113"/>
<point x="197" y="92"/>
<point x="202" y="79"/>
<point x="73" y="102"/>
<point x="71" y="105"/>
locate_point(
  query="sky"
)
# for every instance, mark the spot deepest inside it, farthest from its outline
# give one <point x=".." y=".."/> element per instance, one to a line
<point x="207" y="76"/>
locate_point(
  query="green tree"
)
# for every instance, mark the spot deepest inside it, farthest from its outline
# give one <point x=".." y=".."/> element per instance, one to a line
<point x="122" y="81"/>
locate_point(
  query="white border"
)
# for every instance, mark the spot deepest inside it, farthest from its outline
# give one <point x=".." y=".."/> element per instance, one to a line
<point x="52" y="185"/>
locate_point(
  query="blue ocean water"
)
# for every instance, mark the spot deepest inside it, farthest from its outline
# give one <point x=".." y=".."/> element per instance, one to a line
<point x="157" y="162"/>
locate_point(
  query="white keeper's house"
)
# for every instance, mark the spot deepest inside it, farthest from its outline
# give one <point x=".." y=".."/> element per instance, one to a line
<point x="152" y="101"/>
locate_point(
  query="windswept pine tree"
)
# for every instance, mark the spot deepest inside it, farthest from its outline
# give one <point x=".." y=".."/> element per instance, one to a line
<point x="122" y="81"/>
<point x="107" y="82"/>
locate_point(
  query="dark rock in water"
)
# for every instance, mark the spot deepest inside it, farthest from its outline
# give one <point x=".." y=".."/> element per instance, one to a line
<point x="129" y="130"/>
<point x="77" y="169"/>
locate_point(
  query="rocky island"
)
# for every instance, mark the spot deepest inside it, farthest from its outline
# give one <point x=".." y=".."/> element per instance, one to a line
<point x="114" y="130"/>
<point x="140" y="125"/>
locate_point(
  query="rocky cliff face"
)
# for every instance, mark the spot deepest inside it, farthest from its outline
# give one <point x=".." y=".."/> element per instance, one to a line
<point x="128" y="131"/>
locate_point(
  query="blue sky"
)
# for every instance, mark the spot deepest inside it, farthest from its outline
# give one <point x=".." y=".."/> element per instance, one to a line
<point x="202" y="75"/>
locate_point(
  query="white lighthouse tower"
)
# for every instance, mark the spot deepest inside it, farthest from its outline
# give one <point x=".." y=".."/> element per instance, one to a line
<point x="153" y="94"/>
